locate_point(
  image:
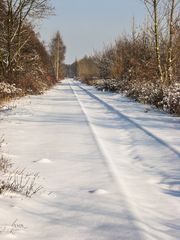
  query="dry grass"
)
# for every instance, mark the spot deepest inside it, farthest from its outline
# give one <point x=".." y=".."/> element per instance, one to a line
<point x="20" y="182"/>
<point x="16" y="181"/>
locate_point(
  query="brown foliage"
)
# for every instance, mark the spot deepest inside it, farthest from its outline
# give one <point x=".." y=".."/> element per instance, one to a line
<point x="24" y="60"/>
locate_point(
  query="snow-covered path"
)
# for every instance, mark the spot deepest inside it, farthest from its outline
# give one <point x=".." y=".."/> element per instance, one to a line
<point x="113" y="170"/>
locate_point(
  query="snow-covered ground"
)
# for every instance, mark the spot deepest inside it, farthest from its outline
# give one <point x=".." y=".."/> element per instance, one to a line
<point x="109" y="167"/>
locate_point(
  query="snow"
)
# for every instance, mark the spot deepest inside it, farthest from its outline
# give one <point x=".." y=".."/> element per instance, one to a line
<point x="45" y="160"/>
<point x="110" y="169"/>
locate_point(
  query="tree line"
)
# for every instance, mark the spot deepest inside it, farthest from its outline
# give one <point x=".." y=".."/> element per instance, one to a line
<point x="25" y="64"/>
<point x="144" y="64"/>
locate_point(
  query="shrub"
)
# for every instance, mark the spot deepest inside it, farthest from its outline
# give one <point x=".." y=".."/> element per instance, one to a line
<point x="171" y="99"/>
<point x="9" y="90"/>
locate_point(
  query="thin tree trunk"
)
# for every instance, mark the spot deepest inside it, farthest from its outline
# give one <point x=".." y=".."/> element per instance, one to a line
<point x="170" y="45"/>
<point x="157" y="45"/>
<point x="57" y="60"/>
<point x="9" y="45"/>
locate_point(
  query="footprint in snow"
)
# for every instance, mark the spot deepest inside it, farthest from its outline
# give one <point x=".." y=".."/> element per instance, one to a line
<point x="98" y="191"/>
<point x="44" y="160"/>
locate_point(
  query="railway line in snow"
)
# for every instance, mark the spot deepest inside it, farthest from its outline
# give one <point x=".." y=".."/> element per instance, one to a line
<point x="137" y="136"/>
<point x="145" y="167"/>
<point x="125" y="117"/>
<point x="113" y="169"/>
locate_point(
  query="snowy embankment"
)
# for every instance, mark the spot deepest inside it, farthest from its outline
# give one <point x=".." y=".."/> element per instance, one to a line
<point x="109" y="168"/>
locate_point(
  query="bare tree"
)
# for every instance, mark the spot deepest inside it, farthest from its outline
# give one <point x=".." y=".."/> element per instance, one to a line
<point x="173" y="20"/>
<point x="14" y="35"/>
<point x="152" y="7"/>
<point x="165" y="16"/>
<point x="57" y="52"/>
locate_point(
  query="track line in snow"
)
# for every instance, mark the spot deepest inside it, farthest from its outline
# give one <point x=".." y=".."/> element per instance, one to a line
<point x="155" y="144"/>
<point x="161" y="169"/>
<point x="113" y="109"/>
<point x="113" y="169"/>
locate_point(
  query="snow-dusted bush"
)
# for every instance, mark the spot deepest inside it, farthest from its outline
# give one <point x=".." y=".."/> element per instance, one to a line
<point x="167" y="98"/>
<point x="9" y="90"/>
<point x="171" y="99"/>
<point x="146" y="92"/>
<point x="110" y="85"/>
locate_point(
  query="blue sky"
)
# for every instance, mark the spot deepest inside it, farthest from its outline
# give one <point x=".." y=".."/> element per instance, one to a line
<point x="88" y="25"/>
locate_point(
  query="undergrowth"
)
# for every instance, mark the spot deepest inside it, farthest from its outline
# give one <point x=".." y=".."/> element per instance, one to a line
<point x="16" y="181"/>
